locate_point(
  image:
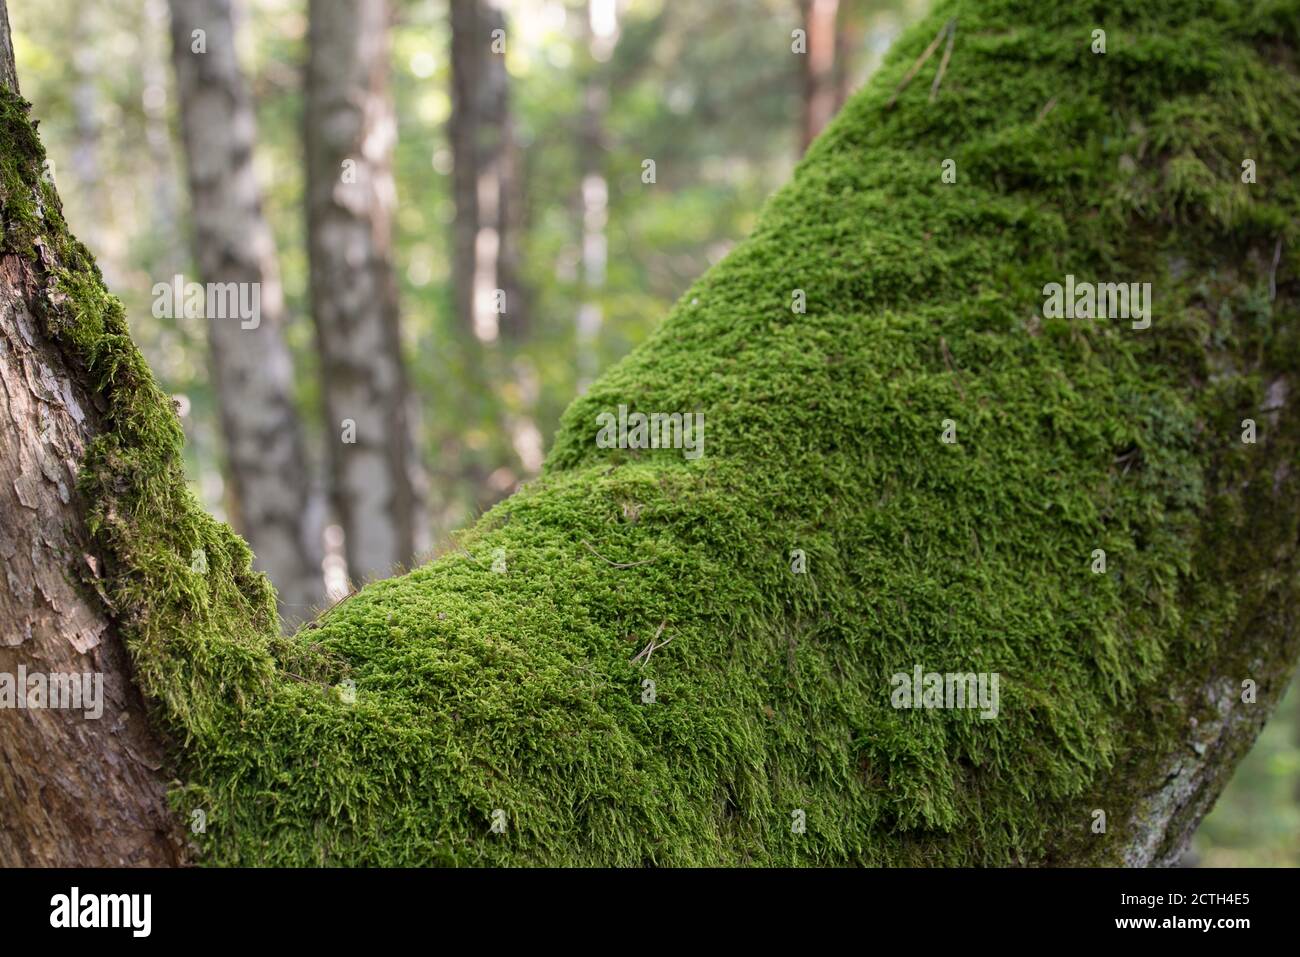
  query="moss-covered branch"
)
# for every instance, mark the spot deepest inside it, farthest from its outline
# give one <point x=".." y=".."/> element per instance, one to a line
<point x="479" y="690"/>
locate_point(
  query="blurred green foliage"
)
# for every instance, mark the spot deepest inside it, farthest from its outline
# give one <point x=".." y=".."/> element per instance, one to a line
<point x="1257" y="821"/>
<point x="711" y="92"/>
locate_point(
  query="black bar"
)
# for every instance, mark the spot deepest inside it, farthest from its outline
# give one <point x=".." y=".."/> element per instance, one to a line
<point x="365" y="908"/>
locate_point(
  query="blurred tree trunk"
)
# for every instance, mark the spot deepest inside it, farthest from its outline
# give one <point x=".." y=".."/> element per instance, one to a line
<point x="350" y="129"/>
<point x="166" y="209"/>
<point x="74" y="790"/>
<point x="511" y="189"/>
<point x="252" y="368"/>
<point x="821" y="90"/>
<point x="86" y="164"/>
<point x="484" y="172"/>
<point x="486" y="187"/>
<point x="849" y="30"/>
<point x="600" y="32"/>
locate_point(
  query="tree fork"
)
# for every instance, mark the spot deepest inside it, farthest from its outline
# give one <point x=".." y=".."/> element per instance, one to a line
<point x="1173" y="715"/>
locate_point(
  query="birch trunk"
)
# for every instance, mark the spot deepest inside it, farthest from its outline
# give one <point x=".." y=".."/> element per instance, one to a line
<point x="252" y="369"/>
<point x="350" y="130"/>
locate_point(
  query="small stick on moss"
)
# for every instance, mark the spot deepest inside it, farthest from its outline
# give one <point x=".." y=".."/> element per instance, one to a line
<point x="1047" y="108"/>
<point x="943" y="63"/>
<point x="916" y="67"/>
<point x="306" y="681"/>
<point x="646" y="561"/>
<point x="651" y="648"/>
<point x="657" y="647"/>
<point x="947" y="359"/>
<point x="1127" y="459"/>
<point x="471" y="557"/>
<point x="315" y="622"/>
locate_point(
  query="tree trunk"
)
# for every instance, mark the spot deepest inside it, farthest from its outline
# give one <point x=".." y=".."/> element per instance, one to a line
<point x="489" y="298"/>
<point x="624" y="665"/>
<point x="166" y="214"/>
<point x="482" y="148"/>
<point x="252" y="368"/>
<point x="600" y="31"/>
<point x="76" y="788"/>
<point x="849" y="30"/>
<point x="8" y="72"/>
<point x="820" y="87"/>
<point x="86" y="162"/>
<point x="375" y="484"/>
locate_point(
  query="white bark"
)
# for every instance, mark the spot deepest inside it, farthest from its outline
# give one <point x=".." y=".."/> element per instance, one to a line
<point x="251" y="367"/>
<point x="376" y="483"/>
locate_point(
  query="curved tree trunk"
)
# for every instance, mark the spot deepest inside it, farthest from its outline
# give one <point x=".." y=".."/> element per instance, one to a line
<point x="350" y="129"/>
<point x="251" y="365"/>
<point x="500" y="710"/>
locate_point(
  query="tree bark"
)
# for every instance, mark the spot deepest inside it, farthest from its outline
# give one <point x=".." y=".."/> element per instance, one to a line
<point x="252" y="368"/>
<point x="820" y="89"/>
<point x="375" y="485"/>
<point x="8" y="72"/>
<point x="482" y="175"/>
<point x="490" y="302"/>
<point x="600" y="33"/>
<point x="75" y="789"/>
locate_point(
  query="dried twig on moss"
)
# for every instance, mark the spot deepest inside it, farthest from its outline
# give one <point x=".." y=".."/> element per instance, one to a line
<point x="645" y="561"/>
<point x="943" y="63"/>
<point x="921" y="61"/>
<point x="654" y="645"/>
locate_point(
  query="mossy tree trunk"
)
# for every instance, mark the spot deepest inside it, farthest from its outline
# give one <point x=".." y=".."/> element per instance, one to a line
<point x="624" y="666"/>
<point x="74" y="790"/>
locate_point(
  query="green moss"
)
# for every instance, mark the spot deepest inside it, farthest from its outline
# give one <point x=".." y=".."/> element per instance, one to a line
<point x="478" y="691"/>
<point x="200" y="641"/>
